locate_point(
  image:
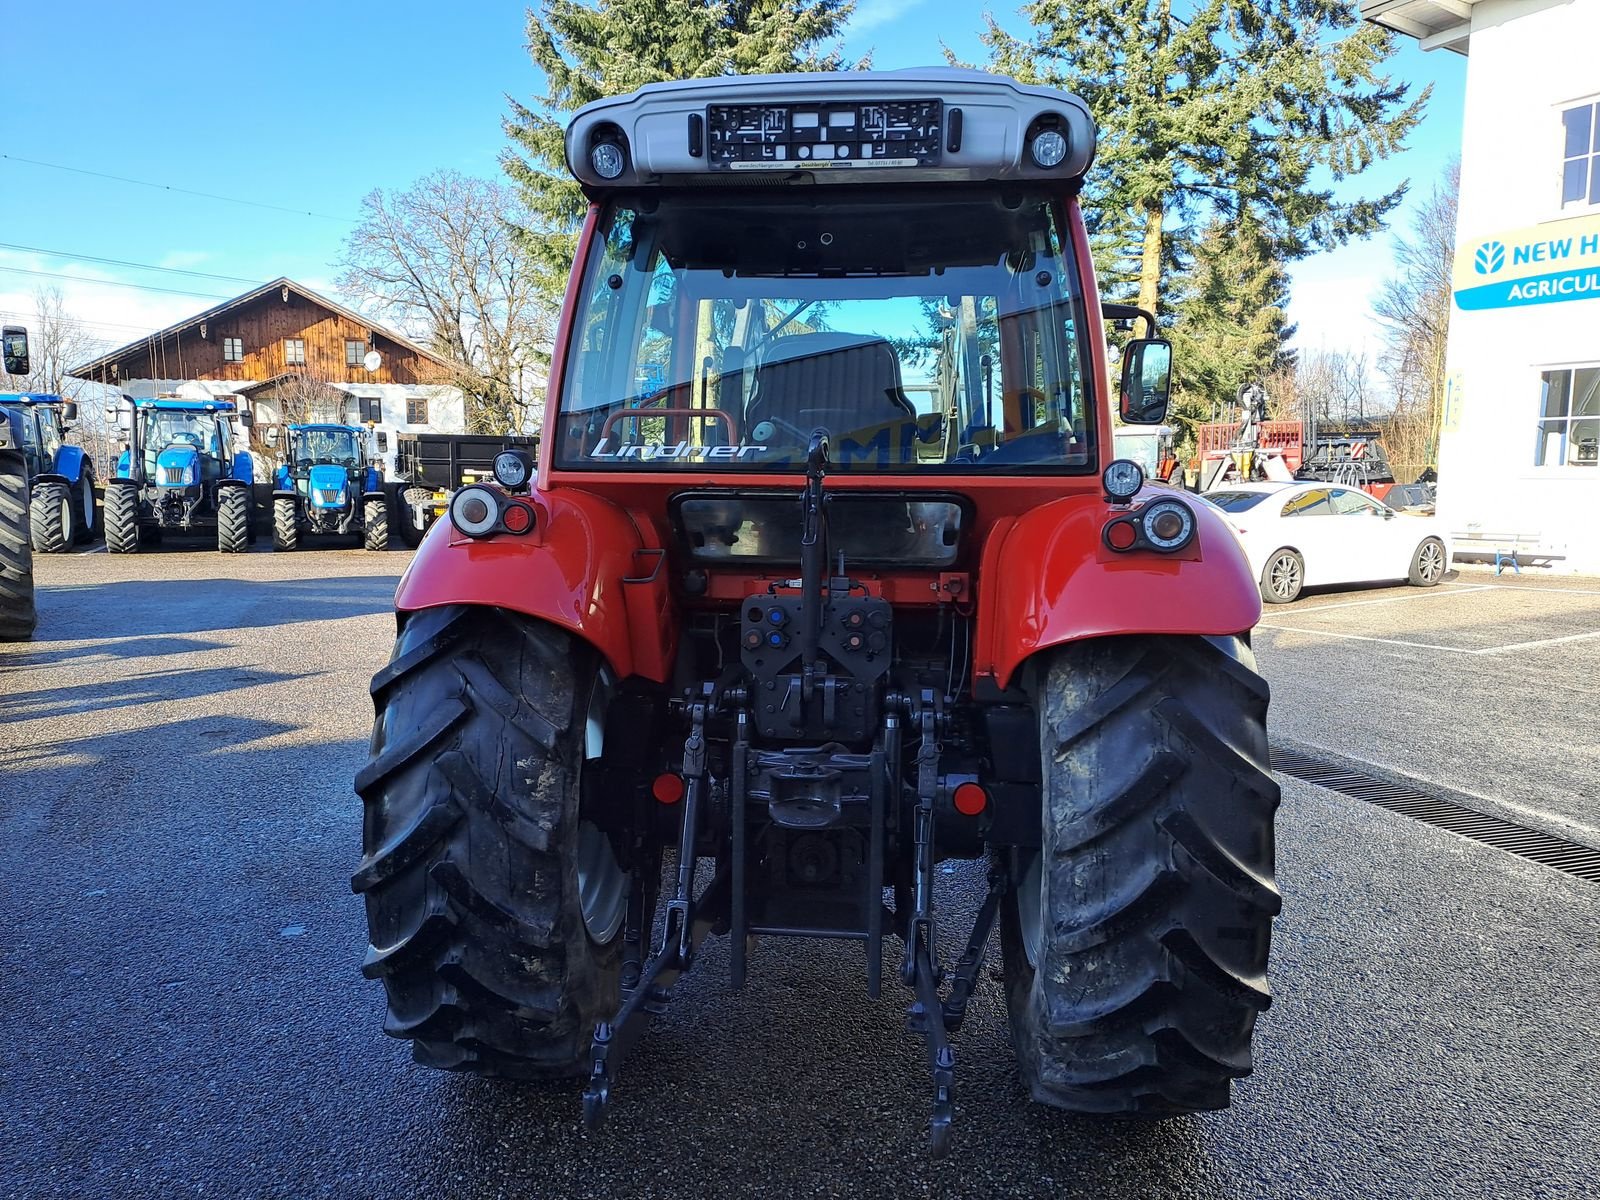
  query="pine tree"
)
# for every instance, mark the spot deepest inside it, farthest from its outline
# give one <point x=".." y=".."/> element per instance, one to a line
<point x="1231" y="326"/>
<point x="588" y="50"/>
<point x="1246" y="110"/>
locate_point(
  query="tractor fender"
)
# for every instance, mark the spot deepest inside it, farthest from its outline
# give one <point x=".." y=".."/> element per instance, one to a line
<point x="1050" y="579"/>
<point x="374" y="495"/>
<point x="70" y="462"/>
<point x="284" y="494"/>
<point x="232" y="483"/>
<point x="244" y="469"/>
<point x="585" y="566"/>
<point x="52" y="477"/>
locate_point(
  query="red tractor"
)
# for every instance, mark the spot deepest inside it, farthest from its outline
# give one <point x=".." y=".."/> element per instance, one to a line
<point x="825" y="575"/>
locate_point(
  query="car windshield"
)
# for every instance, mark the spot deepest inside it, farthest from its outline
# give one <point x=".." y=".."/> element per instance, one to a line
<point x="336" y="446"/>
<point x="922" y="330"/>
<point x="1235" y="501"/>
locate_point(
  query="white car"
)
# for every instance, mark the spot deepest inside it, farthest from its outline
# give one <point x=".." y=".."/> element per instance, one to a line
<point x="1300" y="535"/>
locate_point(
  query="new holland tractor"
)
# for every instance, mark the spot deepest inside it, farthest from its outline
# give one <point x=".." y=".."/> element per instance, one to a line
<point x="180" y="476"/>
<point x="64" y="510"/>
<point x="828" y="574"/>
<point x="18" y="614"/>
<point x="327" y="484"/>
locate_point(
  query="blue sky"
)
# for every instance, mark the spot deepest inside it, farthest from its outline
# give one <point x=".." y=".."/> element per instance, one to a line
<point x="308" y="106"/>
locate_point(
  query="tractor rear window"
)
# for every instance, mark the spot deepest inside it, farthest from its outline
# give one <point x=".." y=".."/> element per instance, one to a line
<point x="935" y="330"/>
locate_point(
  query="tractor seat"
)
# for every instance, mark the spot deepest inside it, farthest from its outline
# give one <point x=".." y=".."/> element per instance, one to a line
<point x="840" y="382"/>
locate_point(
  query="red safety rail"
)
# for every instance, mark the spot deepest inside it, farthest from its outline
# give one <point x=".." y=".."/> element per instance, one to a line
<point x="1216" y="437"/>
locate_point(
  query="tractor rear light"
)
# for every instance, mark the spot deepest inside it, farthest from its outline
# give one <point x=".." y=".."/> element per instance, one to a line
<point x="1167" y="525"/>
<point x="475" y="511"/>
<point x="517" y="518"/>
<point x="970" y="799"/>
<point x="1121" y="535"/>
<point x="667" y="787"/>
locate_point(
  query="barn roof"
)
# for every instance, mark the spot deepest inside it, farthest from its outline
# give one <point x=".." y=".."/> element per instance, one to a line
<point x="282" y="283"/>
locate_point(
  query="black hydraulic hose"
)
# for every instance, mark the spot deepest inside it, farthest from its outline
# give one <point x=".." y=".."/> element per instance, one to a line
<point x="813" y="562"/>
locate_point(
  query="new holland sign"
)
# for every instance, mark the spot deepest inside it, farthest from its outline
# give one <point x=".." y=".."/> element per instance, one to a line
<point x="1542" y="265"/>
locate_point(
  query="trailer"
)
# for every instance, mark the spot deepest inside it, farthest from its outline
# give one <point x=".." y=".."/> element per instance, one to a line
<point x="430" y="467"/>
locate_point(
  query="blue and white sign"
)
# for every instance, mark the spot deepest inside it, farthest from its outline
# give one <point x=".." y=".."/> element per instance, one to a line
<point x="1543" y="265"/>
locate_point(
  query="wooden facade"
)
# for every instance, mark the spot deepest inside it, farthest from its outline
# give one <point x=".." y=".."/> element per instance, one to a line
<point x="259" y="326"/>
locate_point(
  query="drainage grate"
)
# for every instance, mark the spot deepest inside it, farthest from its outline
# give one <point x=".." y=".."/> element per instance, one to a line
<point x="1532" y="844"/>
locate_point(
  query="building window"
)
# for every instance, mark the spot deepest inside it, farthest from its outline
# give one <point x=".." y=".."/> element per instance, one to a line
<point x="354" y="352"/>
<point x="416" y="412"/>
<point x="383" y="442"/>
<point x="1580" y="158"/>
<point x="371" y="408"/>
<point x="294" y="352"/>
<point x="232" y="349"/>
<point x="1569" y="419"/>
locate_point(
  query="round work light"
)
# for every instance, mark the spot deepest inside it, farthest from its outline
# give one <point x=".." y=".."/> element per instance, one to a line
<point x="607" y="159"/>
<point x="1123" y="479"/>
<point x="512" y="469"/>
<point x="1048" y="148"/>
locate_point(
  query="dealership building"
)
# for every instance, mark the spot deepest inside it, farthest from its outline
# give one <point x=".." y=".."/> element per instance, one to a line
<point x="1520" y="451"/>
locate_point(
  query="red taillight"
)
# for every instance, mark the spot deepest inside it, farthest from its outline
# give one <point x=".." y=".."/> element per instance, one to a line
<point x="667" y="788"/>
<point x="517" y="518"/>
<point x="1121" y="535"/>
<point x="970" y="799"/>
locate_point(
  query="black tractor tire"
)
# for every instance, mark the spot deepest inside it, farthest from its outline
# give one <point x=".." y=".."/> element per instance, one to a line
<point x="1136" y="949"/>
<point x="50" y="518"/>
<point x="18" y="614"/>
<point x="405" y="517"/>
<point x="233" y="520"/>
<point x="375" y="522"/>
<point x="1284" y="576"/>
<point x="1429" y="564"/>
<point x="90" y="517"/>
<point x="472" y="841"/>
<point x="285" y="524"/>
<point x="123" y="535"/>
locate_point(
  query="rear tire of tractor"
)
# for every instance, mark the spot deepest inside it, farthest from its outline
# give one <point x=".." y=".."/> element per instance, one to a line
<point x="123" y="535"/>
<point x="50" y="518"/>
<point x="1428" y="564"/>
<point x="233" y="520"/>
<point x="285" y="524"/>
<point x="473" y="843"/>
<point x="405" y="516"/>
<point x="1136" y="941"/>
<point x="375" y="518"/>
<point x="18" y="615"/>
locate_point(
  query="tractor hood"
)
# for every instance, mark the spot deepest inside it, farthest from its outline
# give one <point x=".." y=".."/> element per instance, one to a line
<point x="178" y="466"/>
<point x="328" y="486"/>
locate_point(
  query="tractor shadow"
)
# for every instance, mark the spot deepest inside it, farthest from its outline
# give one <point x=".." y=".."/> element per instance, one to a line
<point x="20" y="657"/>
<point x="150" y="687"/>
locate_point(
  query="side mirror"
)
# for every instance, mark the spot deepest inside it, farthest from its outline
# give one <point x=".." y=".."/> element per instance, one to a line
<point x="14" y="343"/>
<point x="1146" y="381"/>
<point x="69" y="412"/>
<point x="247" y="420"/>
<point x="272" y="435"/>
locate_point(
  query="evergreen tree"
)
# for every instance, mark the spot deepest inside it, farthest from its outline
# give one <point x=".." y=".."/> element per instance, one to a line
<point x="588" y="50"/>
<point x="1230" y="325"/>
<point x="1245" y="110"/>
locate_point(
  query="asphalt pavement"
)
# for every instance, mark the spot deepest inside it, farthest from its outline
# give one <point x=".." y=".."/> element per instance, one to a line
<point x="184" y="1015"/>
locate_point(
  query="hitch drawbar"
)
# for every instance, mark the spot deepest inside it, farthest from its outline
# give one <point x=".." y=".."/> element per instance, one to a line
<point x="722" y="905"/>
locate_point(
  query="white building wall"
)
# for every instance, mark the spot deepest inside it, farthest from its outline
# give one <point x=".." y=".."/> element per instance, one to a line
<point x="1529" y="60"/>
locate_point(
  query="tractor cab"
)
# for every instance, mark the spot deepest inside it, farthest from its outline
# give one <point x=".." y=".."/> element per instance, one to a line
<point x="829" y="571"/>
<point x="63" y="509"/>
<point x="42" y="421"/>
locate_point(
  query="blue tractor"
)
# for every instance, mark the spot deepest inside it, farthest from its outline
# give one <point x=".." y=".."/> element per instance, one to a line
<point x="328" y="484"/>
<point x="64" y="510"/>
<point x="181" y="476"/>
<point x="18" y="616"/>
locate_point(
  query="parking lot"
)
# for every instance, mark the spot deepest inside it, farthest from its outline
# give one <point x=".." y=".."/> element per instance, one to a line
<point x="185" y="1016"/>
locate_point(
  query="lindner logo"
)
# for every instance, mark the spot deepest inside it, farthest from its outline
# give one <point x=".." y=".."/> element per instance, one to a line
<point x="1490" y="258"/>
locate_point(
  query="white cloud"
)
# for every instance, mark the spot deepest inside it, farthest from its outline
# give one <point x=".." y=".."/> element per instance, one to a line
<point x="870" y="14"/>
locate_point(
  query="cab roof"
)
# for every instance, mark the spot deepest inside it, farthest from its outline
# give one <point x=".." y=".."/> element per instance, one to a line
<point x="29" y="398"/>
<point x="224" y="406"/>
<point x="319" y="427"/>
<point x="921" y="124"/>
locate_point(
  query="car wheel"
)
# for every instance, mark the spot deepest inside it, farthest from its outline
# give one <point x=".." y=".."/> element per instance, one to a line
<point x="1283" y="577"/>
<point x="1428" y="564"/>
